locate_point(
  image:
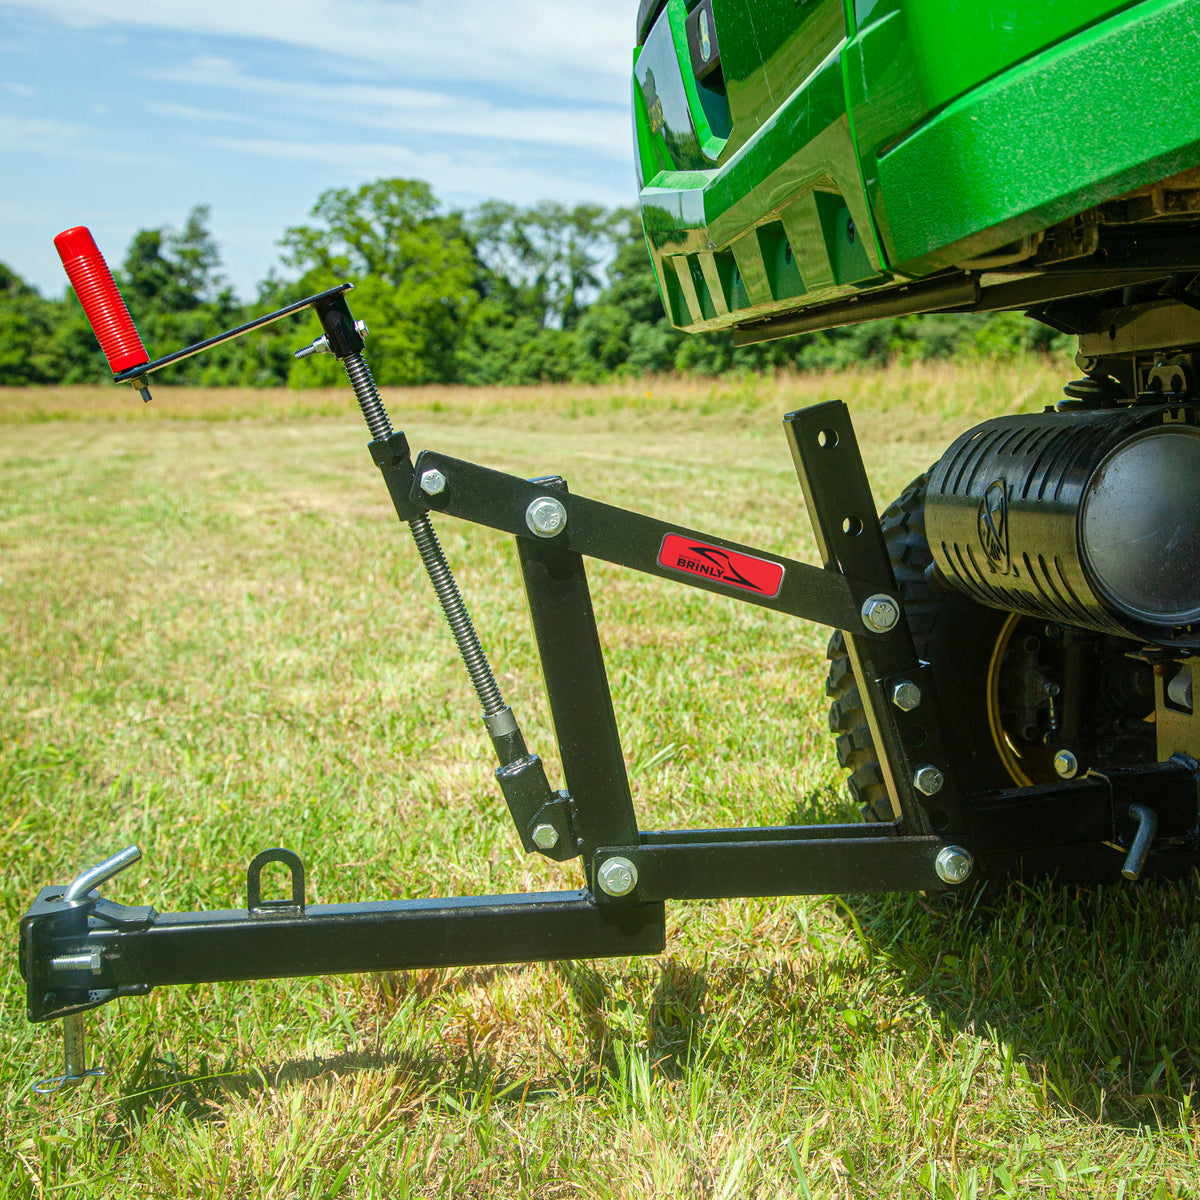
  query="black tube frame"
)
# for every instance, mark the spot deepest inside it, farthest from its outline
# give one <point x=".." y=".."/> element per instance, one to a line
<point x="77" y="955"/>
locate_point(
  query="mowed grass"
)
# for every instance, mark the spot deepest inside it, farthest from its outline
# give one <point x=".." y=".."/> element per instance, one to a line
<point x="217" y="638"/>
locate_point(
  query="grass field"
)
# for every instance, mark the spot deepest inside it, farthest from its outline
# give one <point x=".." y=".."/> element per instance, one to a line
<point x="216" y="638"/>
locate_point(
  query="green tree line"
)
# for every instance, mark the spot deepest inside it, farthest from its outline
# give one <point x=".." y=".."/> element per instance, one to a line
<point x="500" y="294"/>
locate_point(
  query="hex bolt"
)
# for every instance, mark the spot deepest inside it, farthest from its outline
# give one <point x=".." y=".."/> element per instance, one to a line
<point x="545" y="837"/>
<point x="1066" y="764"/>
<point x="906" y="695"/>
<point x="953" y="864"/>
<point x="928" y="779"/>
<point x="319" y="345"/>
<point x="433" y="482"/>
<point x="66" y="964"/>
<point x="546" y="517"/>
<point x="617" y="877"/>
<point x="880" y="613"/>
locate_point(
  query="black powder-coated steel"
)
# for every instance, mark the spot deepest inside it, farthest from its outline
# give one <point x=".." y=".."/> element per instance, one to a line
<point x="589" y="743"/>
<point x="289" y="310"/>
<point x="1085" y="822"/>
<point x="802" y="861"/>
<point x="849" y="539"/>
<point x="323" y="939"/>
<point x="595" y="530"/>
<point x="1022" y="822"/>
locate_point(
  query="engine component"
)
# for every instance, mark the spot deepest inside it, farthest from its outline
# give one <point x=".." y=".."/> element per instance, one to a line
<point x="1086" y="518"/>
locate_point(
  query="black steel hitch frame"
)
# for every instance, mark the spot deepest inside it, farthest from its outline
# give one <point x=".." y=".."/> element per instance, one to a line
<point x="78" y="950"/>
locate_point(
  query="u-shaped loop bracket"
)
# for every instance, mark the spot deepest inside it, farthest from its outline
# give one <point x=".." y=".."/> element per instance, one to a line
<point x="257" y="906"/>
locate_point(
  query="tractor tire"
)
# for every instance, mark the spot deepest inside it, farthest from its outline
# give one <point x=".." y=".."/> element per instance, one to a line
<point x="953" y="634"/>
<point x="991" y="669"/>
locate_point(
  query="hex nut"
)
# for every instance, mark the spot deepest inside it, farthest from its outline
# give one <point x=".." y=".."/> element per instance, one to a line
<point x="1066" y="765"/>
<point x="617" y="877"/>
<point x="880" y="613"/>
<point x="433" y="482"/>
<point x="906" y="695"/>
<point x="928" y="779"/>
<point x="954" y="864"/>
<point x="546" y="517"/>
<point x="545" y="837"/>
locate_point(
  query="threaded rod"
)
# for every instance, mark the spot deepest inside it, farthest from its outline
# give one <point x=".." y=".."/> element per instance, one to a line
<point x="363" y="383"/>
<point x="430" y="550"/>
<point x="457" y="616"/>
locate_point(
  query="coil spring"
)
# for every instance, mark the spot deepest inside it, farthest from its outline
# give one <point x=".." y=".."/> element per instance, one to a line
<point x="457" y="616"/>
<point x="430" y="550"/>
<point x="363" y="383"/>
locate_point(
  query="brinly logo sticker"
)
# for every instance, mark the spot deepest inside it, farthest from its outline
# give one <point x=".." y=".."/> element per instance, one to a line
<point x="993" y="527"/>
<point x="743" y="571"/>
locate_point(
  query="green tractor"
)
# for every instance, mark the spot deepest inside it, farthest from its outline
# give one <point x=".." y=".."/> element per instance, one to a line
<point x="808" y="165"/>
<point x="1013" y="663"/>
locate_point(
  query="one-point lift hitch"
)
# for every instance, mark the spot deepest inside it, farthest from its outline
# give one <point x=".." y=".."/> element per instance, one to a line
<point x="78" y="950"/>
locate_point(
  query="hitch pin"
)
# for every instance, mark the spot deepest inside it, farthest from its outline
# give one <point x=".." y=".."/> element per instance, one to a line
<point x="75" y="1068"/>
<point x="1147" y="827"/>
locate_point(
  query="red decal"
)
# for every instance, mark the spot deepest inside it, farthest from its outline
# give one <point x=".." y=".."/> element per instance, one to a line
<point x="738" y="570"/>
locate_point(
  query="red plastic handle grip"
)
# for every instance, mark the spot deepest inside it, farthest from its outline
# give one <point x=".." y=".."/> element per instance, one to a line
<point x="97" y="292"/>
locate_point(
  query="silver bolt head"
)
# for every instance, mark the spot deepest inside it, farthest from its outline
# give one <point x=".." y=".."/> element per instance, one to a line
<point x="953" y="864"/>
<point x="433" y="482"/>
<point x="1066" y="764"/>
<point x="928" y="779"/>
<point x="880" y="613"/>
<point x="361" y="328"/>
<point x="617" y="877"/>
<point x="320" y="345"/>
<point x="906" y="695"/>
<point x="546" y="516"/>
<point x="545" y="837"/>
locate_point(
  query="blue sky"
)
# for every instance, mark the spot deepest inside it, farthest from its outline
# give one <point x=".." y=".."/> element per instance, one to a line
<point x="123" y="114"/>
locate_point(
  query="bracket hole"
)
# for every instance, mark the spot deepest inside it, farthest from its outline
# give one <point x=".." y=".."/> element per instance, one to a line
<point x="939" y="819"/>
<point x="917" y="736"/>
<point x="852" y="527"/>
<point x="827" y="439"/>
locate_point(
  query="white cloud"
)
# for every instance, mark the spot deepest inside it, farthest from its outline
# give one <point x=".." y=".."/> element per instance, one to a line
<point x="463" y="177"/>
<point x="545" y="47"/>
<point x="36" y="133"/>
<point x="145" y="107"/>
<point x="57" y="140"/>
<point x="403" y="110"/>
<point x="204" y="115"/>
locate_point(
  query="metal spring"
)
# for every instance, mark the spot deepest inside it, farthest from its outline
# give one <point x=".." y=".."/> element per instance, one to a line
<point x="369" y="400"/>
<point x="457" y="616"/>
<point x="430" y="550"/>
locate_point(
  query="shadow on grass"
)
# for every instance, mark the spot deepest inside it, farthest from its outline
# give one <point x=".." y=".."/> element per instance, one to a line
<point x="672" y="1029"/>
<point x="156" y="1085"/>
<point x="1091" y="991"/>
<point x="1094" y="990"/>
<point x="665" y="1030"/>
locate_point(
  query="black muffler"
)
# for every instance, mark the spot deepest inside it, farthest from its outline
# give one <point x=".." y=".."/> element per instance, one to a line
<point x="1090" y="519"/>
